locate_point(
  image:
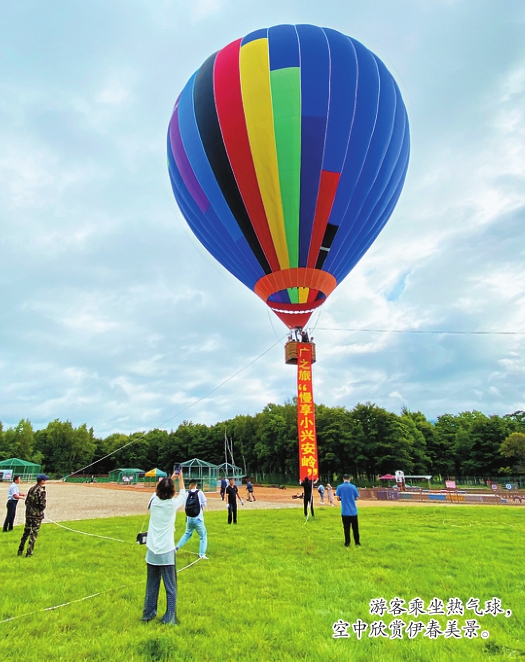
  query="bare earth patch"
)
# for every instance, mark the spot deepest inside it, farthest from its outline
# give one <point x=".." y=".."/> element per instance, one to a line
<point x="77" y="501"/>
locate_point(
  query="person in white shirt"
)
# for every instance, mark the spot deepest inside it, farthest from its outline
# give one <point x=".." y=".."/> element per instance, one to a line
<point x="160" y="556"/>
<point x="13" y="497"/>
<point x="195" y="503"/>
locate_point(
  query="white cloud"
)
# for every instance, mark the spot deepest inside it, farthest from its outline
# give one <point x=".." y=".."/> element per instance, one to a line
<point x="204" y="9"/>
<point x="112" y="313"/>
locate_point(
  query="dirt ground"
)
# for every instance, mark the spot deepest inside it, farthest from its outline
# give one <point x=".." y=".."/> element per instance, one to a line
<point x="77" y="501"/>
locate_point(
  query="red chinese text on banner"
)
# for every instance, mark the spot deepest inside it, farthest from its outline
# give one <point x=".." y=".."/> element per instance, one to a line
<point x="308" y="464"/>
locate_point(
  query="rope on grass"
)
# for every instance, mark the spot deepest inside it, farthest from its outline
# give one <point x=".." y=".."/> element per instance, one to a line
<point x="93" y="535"/>
<point x="64" y="604"/>
<point x="190" y="564"/>
<point x="457" y="526"/>
<point x="87" y="597"/>
<point x="491" y="524"/>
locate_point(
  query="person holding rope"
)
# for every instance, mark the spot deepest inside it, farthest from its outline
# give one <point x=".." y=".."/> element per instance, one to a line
<point x="13" y="497"/>
<point x="307" y="486"/>
<point x="35" y="506"/>
<point x="160" y="557"/>
<point x="195" y="503"/>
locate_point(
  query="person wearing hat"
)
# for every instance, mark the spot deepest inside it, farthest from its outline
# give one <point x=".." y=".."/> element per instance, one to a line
<point x="13" y="497"/>
<point x="35" y="506"/>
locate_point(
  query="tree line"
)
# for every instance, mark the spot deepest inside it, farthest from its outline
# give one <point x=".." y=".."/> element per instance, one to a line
<point x="366" y="441"/>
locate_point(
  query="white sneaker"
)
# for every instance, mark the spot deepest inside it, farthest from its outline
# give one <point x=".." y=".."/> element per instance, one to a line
<point x="203" y="556"/>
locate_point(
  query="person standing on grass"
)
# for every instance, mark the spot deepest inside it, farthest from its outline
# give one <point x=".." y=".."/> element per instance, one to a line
<point x="224" y="485"/>
<point x="320" y="489"/>
<point x="13" y="497"/>
<point x="307" y="486"/>
<point x="249" y="489"/>
<point x="35" y="505"/>
<point x="232" y="494"/>
<point x="347" y="493"/>
<point x="160" y="556"/>
<point x="195" y="503"/>
<point x="330" y="494"/>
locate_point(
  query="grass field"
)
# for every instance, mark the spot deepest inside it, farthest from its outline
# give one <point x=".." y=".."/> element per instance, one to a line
<point x="271" y="590"/>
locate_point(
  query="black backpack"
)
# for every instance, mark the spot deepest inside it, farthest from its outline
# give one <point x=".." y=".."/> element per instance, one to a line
<point x="193" y="505"/>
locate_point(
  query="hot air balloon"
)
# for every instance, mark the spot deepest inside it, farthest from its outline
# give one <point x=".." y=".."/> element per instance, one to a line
<point x="287" y="152"/>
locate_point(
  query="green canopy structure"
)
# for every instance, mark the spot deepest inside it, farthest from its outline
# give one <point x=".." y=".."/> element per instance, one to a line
<point x="26" y="470"/>
<point x="230" y="471"/>
<point x="205" y="473"/>
<point x="126" y="476"/>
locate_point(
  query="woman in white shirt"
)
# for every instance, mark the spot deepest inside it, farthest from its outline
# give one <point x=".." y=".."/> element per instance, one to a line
<point x="160" y="557"/>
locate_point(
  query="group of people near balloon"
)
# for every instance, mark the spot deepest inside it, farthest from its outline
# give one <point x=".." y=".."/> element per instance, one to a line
<point x="160" y="538"/>
<point x="161" y="547"/>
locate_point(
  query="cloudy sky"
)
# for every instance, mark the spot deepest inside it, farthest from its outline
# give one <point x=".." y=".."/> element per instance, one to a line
<point x="112" y="314"/>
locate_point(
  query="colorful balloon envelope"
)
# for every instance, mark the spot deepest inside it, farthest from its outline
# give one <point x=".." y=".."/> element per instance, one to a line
<point x="287" y="153"/>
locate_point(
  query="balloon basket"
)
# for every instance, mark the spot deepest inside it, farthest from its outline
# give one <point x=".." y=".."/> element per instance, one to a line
<point x="290" y="352"/>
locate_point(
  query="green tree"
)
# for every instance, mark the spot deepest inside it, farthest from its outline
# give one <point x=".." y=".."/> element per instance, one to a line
<point x="341" y="443"/>
<point x="387" y="440"/>
<point x="4" y="451"/>
<point x="64" y="448"/>
<point x="486" y="437"/>
<point x="20" y="442"/>
<point x="276" y="446"/>
<point x="243" y="430"/>
<point x="514" y="447"/>
<point x="134" y="455"/>
<point x="417" y="446"/>
<point x="516" y="420"/>
<point x="104" y="455"/>
<point x="454" y="439"/>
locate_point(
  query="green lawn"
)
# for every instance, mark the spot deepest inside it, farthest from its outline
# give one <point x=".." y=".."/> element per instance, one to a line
<point x="272" y="588"/>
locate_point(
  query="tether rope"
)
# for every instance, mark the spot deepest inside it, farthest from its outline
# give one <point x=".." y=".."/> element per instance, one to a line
<point x="430" y="332"/>
<point x="88" y="466"/>
<point x="87" y="597"/>
<point x="64" y="604"/>
<point x="93" y="535"/>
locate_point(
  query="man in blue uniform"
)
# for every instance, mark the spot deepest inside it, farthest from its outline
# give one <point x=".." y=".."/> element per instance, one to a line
<point x="13" y="497"/>
<point x="347" y="494"/>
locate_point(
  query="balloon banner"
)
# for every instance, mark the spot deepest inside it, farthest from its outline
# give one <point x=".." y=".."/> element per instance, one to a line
<point x="308" y="462"/>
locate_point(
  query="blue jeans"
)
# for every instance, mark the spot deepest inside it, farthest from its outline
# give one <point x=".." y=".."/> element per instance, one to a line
<point x="195" y="524"/>
<point x="169" y="577"/>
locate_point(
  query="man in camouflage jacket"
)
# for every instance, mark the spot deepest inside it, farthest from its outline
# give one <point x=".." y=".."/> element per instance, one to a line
<point x="35" y="506"/>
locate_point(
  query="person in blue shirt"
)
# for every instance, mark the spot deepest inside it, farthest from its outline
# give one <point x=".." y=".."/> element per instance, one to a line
<point x="347" y="493"/>
<point x="224" y="485"/>
<point x="13" y="497"/>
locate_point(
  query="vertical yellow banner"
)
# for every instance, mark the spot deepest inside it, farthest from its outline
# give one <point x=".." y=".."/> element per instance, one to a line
<point x="308" y="463"/>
